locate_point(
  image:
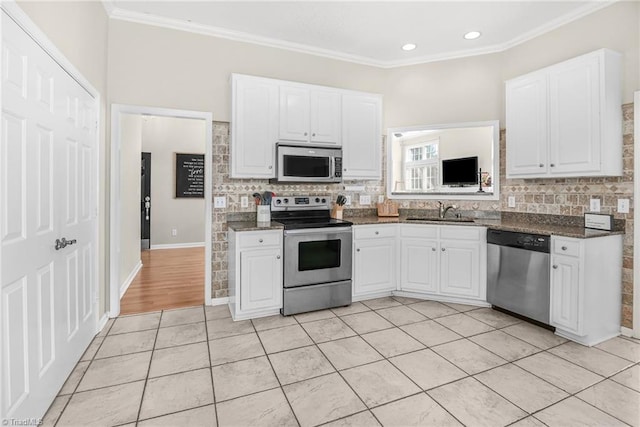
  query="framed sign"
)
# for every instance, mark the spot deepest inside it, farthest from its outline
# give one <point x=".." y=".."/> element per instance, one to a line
<point x="189" y="175"/>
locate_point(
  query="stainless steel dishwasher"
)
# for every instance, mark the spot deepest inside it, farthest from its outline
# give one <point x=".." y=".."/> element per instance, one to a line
<point x="518" y="274"/>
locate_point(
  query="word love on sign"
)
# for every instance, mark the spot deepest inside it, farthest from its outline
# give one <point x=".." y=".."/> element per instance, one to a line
<point x="190" y="175"/>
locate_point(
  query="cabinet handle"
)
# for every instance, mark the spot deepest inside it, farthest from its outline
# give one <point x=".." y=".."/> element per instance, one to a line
<point x="270" y="167"/>
<point x="433" y="249"/>
<point x="564" y="248"/>
<point x="344" y="170"/>
<point x="552" y="165"/>
<point x="305" y="134"/>
<point x="377" y="232"/>
<point x="541" y="165"/>
<point x="443" y="249"/>
<point x="555" y="267"/>
<point x="260" y="240"/>
<point x="358" y="250"/>
<point x="313" y="134"/>
<point x="278" y="257"/>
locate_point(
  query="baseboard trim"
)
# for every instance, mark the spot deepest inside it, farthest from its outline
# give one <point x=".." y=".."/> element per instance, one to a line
<point x="178" y="245"/>
<point x="627" y="332"/>
<point x="132" y="275"/>
<point x="219" y="301"/>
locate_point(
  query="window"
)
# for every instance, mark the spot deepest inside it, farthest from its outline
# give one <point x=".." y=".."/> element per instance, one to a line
<point x="422" y="166"/>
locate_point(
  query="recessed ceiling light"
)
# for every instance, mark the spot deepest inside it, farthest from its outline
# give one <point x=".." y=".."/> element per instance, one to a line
<point x="409" y="46"/>
<point x="472" y="35"/>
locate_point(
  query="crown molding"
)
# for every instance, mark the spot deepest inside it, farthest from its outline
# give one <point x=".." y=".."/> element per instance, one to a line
<point x="208" y="30"/>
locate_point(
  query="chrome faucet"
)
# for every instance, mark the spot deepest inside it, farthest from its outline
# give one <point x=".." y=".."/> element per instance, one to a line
<point x="442" y="210"/>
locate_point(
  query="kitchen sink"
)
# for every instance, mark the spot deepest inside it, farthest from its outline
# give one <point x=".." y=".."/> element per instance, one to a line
<point x="461" y="219"/>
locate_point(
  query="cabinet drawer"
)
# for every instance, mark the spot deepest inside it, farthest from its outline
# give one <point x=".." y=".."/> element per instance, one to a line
<point x="419" y="231"/>
<point x="460" y="232"/>
<point x="374" y="231"/>
<point x="249" y="239"/>
<point x="566" y="247"/>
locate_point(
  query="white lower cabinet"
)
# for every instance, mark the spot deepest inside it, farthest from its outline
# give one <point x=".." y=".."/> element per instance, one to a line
<point x="374" y="259"/>
<point x="255" y="273"/>
<point x="586" y="294"/>
<point x="460" y="269"/>
<point x="439" y="262"/>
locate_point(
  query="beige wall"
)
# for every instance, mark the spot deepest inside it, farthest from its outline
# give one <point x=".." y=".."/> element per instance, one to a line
<point x="175" y="69"/>
<point x="130" y="164"/>
<point x="80" y="30"/>
<point x="163" y="137"/>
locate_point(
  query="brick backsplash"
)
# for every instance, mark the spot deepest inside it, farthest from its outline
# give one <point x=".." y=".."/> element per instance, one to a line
<point x="568" y="196"/>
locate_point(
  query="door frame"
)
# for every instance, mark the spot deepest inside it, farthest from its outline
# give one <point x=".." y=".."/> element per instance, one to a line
<point x="636" y="216"/>
<point x="117" y="110"/>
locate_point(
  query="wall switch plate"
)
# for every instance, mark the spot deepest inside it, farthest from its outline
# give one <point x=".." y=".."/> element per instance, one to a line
<point x="354" y="188"/>
<point x="220" y="202"/>
<point x="244" y="202"/>
<point x="511" y="202"/>
<point x="623" y="205"/>
<point x="594" y="205"/>
<point x="174" y="232"/>
<point x="347" y="201"/>
<point x="381" y="199"/>
<point x="365" y="200"/>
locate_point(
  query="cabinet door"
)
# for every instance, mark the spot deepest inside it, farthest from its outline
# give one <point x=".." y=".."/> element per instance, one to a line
<point x="566" y="294"/>
<point x="526" y="113"/>
<point x="361" y="137"/>
<point x="294" y="114"/>
<point x="254" y="127"/>
<point x="260" y="279"/>
<point x="460" y="268"/>
<point x="326" y="114"/>
<point x="574" y="116"/>
<point x="374" y="265"/>
<point x="419" y="265"/>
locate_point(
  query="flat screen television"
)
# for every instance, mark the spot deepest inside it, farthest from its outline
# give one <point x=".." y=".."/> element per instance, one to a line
<point x="459" y="172"/>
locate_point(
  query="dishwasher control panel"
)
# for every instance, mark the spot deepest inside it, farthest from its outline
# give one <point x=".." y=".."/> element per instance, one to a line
<point x="527" y="241"/>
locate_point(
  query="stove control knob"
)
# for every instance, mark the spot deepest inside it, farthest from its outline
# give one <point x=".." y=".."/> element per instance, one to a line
<point x="317" y="199"/>
<point x="286" y="200"/>
<point x="278" y="201"/>
<point x="324" y="200"/>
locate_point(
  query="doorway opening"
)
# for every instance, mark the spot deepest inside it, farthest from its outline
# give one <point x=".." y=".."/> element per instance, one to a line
<point x="160" y="209"/>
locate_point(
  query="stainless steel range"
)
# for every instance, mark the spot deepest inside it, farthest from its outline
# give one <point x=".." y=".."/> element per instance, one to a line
<point x="317" y="254"/>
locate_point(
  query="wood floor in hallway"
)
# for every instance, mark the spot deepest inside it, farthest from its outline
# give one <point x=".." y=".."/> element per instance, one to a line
<point x="169" y="278"/>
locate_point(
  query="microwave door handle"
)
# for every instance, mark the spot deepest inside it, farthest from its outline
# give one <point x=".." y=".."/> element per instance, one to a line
<point x="332" y="168"/>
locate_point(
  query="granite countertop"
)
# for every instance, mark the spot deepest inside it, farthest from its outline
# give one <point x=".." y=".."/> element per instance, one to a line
<point x="253" y="226"/>
<point x="507" y="224"/>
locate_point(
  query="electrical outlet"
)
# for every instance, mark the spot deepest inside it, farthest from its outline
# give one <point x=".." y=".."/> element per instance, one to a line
<point x="365" y="200"/>
<point x="623" y="205"/>
<point x="594" y="205"/>
<point x="511" y="202"/>
<point x="347" y="200"/>
<point x="174" y="232"/>
<point x="244" y="202"/>
<point x="380" y="199"/>
<point x="220" y="202"/>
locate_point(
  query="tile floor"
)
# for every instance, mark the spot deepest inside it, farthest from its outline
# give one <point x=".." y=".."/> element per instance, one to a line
<point x="389" y="361"/>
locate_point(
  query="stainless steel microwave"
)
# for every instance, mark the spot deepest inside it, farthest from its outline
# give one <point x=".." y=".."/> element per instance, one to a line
<point x="304" y="163"/>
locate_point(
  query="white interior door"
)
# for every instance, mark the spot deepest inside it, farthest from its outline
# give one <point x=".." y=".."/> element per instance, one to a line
<point x="47" y="192"/>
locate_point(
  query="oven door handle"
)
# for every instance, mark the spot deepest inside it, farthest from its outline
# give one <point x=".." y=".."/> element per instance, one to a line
<point x="322" y="230"/>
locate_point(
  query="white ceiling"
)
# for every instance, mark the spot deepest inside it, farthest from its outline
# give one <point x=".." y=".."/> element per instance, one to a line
<point x="367" y="32"/>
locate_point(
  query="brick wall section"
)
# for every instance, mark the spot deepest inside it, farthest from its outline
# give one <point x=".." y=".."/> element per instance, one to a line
<point x="569" y="196"/>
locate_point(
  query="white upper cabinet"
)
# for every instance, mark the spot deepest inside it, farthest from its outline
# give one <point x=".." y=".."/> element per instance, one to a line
<point x="361" y="136"/>
<point x="310" y="115"/>
<point x="254" y="127"/>
<point x="566" y="120"/>
<point x="267" y="111"/>
<point x="326" y="117"/>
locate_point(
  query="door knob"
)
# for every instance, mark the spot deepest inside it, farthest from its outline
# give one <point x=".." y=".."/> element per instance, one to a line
<point x="63" y="243"/>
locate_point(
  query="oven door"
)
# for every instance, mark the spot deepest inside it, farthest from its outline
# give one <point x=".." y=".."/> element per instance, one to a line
<point x="317" y="255"/>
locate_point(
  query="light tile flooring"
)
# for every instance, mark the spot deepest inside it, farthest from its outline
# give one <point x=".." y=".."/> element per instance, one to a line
<point x="389" y="361"/>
